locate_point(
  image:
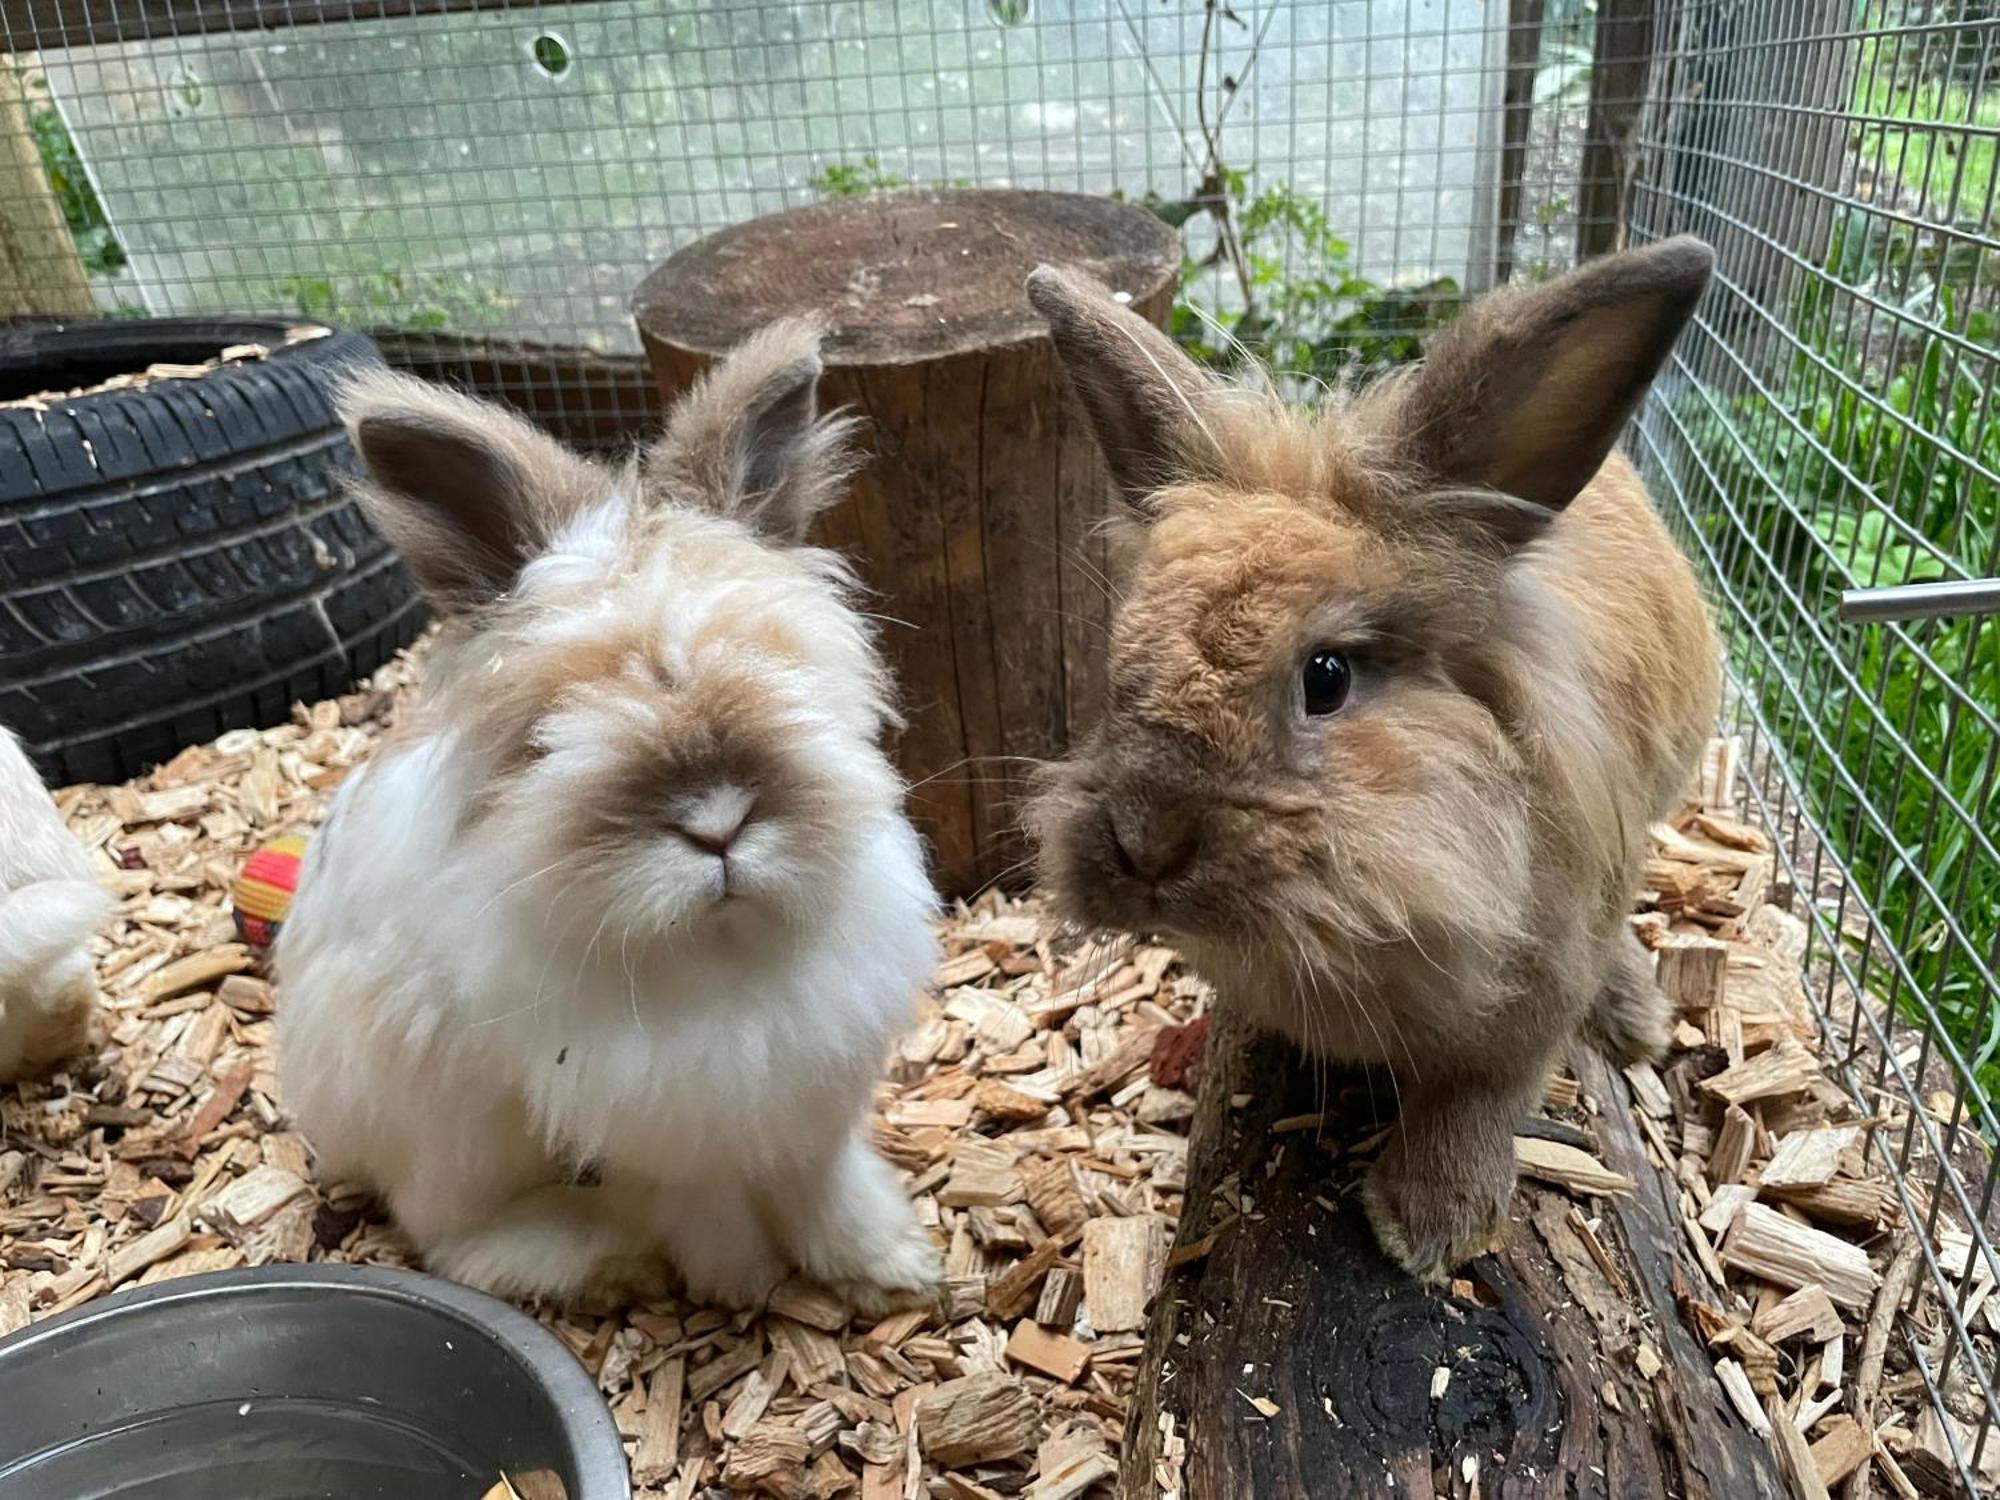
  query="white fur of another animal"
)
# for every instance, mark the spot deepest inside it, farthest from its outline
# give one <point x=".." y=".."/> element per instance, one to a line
<point x="50" y="902"/>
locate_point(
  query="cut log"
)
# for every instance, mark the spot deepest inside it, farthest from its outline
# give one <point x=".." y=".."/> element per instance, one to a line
<point x="978" y="523"/>
<point x="1294" y="1304"/>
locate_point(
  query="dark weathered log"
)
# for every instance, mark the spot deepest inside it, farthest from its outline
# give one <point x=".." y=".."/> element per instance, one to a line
<point x="1294" y="1305"/>
<point x="977" y="523"/>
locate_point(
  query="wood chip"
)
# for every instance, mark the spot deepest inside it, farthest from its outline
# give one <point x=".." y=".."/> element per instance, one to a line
<point x="1565" y="1166"/>
<point x="947" y="1114"/>
<point x="254" y="1197"/>
<point x="767" y="1451"/>
<point x="1692" y="971"/>
<point x="1053" y="1194"/>
<point x="812" y="1305"/>
<point x="982" y="1177"/>
<point x="1841" y="1449"/>
<point x="1807" y="1158"/>
<point x="196" y="971"/>
<point x="814" y="1353"/>
<point x="1767" y="1244"/>
<point x="1053" y="1354"/>
<point x="1062" y="1296"/>
<point x="1073" y="1476"/>
<point x="1736" y="1385"/>
<point x="658" y="1453"/>
<point x="1123" y="1260"/>
<point x="1795" y="1460"/>
<point x="155" y="1245"/>
<point x="1869" y="1205"/>
<point x="1005" y="1102"/>
<point x="1013" y="1291"/>
<point x="1723" y="1207"/>
<point x="753" y="1397"/>
<point x="1786" y="1068"/>
<point x="1808" y="1310"/>
<point x="1734" y="1144"/>
<point x="977" y="1419"/>
<point x="705" y="1380"/>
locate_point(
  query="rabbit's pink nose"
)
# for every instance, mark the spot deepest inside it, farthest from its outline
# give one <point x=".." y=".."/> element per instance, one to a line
<point x="1154" y="849"/>
<point x="713" y="821"/>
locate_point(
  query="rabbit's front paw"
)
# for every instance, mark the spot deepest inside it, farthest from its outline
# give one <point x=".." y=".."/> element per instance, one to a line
<point x="743" y="1285"/>
<point x="1630" y="1021"/>
<point x="1438" y="1195"/>
<point x="718" y="1240"/>
<point x="1430" y="1229"/>
<point x="850" y="1226"/>
<point x="908" y="1275"/>
<point x="551" y="1243"/>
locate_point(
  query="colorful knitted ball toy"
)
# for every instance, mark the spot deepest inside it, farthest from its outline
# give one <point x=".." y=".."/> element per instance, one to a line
<point x="263" y="893"/>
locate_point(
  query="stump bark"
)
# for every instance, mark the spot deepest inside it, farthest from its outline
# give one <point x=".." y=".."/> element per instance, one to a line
<point x="976" y="521"/>
<point x="1293" y="1305"/>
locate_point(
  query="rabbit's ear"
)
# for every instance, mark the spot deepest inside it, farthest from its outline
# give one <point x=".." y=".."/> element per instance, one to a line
<point x="749" y="440"/>
<point x="1142" y="394"/>
<point x="1525" y="395"/>
<point x="467" y="492"/>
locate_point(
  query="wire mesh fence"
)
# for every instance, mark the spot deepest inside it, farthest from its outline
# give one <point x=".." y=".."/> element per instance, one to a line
<point x="1828" y="426"/>
<point x="462" y="179"/>
<point x="484" y="186"/>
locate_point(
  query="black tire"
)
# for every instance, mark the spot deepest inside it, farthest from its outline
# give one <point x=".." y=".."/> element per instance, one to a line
<point x="180" y="558"/>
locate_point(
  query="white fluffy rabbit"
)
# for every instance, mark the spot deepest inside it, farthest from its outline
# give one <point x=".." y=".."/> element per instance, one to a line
<point x="633" y="891"/>
<point x="49" y="903"/>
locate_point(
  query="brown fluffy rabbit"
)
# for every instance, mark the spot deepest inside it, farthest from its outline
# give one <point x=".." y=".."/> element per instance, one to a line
<point x="1395" y="689"/>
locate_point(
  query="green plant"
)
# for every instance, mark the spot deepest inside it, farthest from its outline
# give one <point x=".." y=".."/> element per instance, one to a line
<point x="423" y="302"/>
<point x="1932" y="134"/>
<point x="1309" y="313"/>
<point x="1871" y="469"/>
<point x="841" y="180"/>
<point x="98" y="247"/>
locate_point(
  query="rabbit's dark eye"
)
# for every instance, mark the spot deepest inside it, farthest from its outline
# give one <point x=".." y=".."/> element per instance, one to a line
<point x="1327" y="678"/>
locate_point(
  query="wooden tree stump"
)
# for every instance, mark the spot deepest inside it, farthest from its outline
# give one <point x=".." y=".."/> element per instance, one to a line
<point x="1294" y="1306"/>
<point x="975" y="522"/>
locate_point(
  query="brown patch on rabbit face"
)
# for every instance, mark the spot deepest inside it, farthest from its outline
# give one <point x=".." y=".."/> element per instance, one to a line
<point x="701" y="669"/>
<point x="669" y="700"/>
